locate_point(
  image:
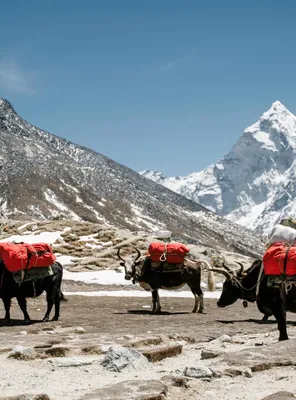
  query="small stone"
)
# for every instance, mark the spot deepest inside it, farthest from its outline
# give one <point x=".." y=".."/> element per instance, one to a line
<point x="207" y="354"/>
<point x="198" y="372"/>
<point x="128" y="336"/>
<point x="225" y="339"/>
<point x="22" y="353"/>
<point x="80" y="330"/>
<point x="216" y="373"/>
<point x="248" y="373"/>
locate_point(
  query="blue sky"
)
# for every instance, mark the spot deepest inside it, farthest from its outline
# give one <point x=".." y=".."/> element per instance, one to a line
<point x="162" y="84"/>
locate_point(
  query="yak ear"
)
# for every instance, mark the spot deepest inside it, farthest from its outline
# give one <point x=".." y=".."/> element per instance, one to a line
<point x="122" y="263"/>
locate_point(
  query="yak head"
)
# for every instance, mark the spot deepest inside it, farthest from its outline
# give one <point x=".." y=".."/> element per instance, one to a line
<point x="130" y="266"/>
<point x="231" y="287"/>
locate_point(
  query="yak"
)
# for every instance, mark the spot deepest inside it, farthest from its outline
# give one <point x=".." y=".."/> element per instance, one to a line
<point x="152" y="279"/>
<point x="50" y="284"/>
<point x="271" y="298"/>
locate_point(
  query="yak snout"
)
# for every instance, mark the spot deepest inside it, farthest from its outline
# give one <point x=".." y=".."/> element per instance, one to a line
<point x="128" y="276"/>
<point x="219" y="304"/>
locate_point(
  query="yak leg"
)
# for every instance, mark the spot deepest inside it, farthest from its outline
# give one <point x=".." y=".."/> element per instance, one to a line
<point x="50" y="302"/>
<point x="279" y="311"/>
<point x="156" y="303"/>
<point x="198" y="297"/>
<point x="57" y="301"/>
<point x="201" y="303"/>
<point x="7" y="303"/>
<point x="22" y="302"/>
<point x="280" y="315"/>
<point x="196" y="302"/>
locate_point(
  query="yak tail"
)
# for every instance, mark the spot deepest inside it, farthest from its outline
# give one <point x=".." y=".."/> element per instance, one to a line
<point x="211" y="281"/>
<point x="211" y="277"/>
<point x="62" y="297"/>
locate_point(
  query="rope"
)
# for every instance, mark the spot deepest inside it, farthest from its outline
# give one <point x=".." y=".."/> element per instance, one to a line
<point x="163" y="258"/>
<point x="253" y="287"/>
<point x="2" y="276"/>
<point x="259" y="279"/>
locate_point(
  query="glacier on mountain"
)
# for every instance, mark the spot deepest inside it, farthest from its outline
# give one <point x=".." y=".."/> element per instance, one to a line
<point x="254" y="185"/>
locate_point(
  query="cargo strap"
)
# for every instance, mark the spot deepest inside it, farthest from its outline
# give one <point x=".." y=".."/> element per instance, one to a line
<point x="286" y="257"/>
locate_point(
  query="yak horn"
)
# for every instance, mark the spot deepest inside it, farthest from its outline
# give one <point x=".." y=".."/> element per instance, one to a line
<point x="241" y="269"/>
<point x="134" y="247"/>
<point x="138" y="253"/>
<point x="119" y="256"/>
<point x="222" y="271"/>
<point x="226" y="267"/>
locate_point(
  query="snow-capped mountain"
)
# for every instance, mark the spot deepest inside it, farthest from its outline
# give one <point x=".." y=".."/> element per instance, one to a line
<point x="44" y="176"/>
<point x="255" y="183"/>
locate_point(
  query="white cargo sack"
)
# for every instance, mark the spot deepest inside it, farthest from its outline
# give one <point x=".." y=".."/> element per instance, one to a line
<point x="282" y="234"/>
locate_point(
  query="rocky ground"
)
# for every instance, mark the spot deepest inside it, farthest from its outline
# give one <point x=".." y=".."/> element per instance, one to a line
<point x="112" y="348"/>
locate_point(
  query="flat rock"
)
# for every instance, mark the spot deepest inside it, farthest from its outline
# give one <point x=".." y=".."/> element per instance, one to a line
<point x="145" y="341"/>
<point x="27" y="397"/>
<point x="131" y="390"/>
<point x="159" y="353"/>
<point x="262" y="358"/>
<point x="57" y="351"/>
<point x="280" y="396"/>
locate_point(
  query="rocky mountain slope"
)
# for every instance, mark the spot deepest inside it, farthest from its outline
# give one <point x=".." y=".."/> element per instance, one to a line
<point x="255" y="183"/>
<point x="44" y="176"/>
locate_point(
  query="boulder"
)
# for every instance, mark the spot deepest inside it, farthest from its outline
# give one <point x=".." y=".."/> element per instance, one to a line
<point x="119" y="358"/>
<point x="22" y="353"/>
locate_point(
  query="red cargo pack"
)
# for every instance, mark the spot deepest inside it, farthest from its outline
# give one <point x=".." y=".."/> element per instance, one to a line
<point x="173" y="253"/>
<point x="274" y="257"/>
<point x="20" y="256"/>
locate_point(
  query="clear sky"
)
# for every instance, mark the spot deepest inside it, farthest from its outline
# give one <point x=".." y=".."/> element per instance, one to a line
<point x="165" y="85"/>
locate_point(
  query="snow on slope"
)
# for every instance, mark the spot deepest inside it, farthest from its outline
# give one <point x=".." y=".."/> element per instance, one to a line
<point x="254" y="184"/>
<point x="45" y="176"/>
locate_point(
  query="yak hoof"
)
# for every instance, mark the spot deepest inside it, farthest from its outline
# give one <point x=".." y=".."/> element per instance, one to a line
<point x="283" y="338"/>
<point x="200" y="311"/>
<point x="6" y="320"/>
<point x="45" y="319"/>
<point x="27" y="321"/>
<point x="265" y="318"/>
<point x="55" y="318"/>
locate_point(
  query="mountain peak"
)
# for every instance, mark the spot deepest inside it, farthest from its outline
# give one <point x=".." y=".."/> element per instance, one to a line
<point x="5" y="107"/>
<point x="277" y="108"/>
<point x="276" y="118"/>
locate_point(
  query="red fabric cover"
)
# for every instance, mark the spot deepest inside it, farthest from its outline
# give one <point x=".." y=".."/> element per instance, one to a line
<point x="173" y="253"/>
<point x="273" y="260"/>
<point x="16" y="255"/>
